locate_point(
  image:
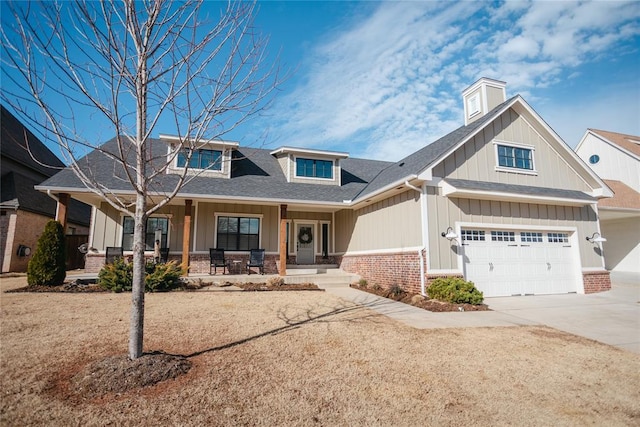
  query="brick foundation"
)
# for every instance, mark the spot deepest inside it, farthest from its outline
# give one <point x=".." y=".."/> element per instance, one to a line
<point x="596" y="281"/>
<point x="386" y="270"/>
<point x="198" y="263"/>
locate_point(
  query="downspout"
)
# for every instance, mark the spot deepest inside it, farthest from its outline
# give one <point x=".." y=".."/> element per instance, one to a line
<point x="53" y="196"/>
<point x="421" y="250"/>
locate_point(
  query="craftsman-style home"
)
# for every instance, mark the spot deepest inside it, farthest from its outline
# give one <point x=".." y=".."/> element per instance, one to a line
<point x="501" y="201"/>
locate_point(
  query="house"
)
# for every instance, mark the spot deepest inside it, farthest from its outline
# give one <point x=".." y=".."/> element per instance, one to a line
<point x="24" y="211"/>
<point x="616" y="158"/>
<point x="502" y="201"/>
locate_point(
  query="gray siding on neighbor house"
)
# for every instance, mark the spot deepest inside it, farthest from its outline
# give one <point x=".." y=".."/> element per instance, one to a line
<point x="391" y="224"/>
<point x="476" y="160"/>
<point x="446" y="212"/>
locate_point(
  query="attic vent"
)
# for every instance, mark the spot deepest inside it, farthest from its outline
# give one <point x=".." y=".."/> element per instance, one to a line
<point x="635" y="141"/>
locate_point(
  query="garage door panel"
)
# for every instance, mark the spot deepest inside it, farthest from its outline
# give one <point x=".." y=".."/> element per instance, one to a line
<point x="530" y="265"/>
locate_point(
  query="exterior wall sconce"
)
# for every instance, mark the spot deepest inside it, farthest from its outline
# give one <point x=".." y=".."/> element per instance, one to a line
<point x="449" y="234"/>
<point x="596" y="238"/>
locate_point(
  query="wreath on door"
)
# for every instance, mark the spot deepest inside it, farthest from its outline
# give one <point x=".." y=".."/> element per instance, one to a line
<point x="304" y="236"/>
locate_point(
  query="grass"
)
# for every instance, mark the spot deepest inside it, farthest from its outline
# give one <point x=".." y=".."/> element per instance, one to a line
<point x="303" y="358"/>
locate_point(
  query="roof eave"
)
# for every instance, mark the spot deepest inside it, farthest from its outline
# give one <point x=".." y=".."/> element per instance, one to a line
<point x="451" y="191"/>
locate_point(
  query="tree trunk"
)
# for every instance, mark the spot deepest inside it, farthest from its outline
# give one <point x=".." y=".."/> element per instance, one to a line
<point x="136" y="324"/>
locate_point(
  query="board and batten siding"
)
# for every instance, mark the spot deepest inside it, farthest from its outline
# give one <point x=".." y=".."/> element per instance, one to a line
<point x="390" y="224"/>
<point x="107" y="230"/>
<point x="446" y="212"/>
<point x="476" y="160"/>
<point x="206" y="223"/>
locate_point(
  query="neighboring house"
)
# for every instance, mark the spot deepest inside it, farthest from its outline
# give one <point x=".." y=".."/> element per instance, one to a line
<point x="24" y="211"/>
<point x="502" y="201"/>
<point x="616" y="158"/>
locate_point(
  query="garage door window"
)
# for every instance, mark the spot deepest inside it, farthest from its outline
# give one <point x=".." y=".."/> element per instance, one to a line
<point x="528" y="236"/>
<point x="477" y="235"/>
<point x="503" y="236"/>
<point x="558" y="237"/>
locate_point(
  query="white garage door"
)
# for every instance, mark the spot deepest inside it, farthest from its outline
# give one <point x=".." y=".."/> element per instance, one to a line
<point x="512" y="262"/>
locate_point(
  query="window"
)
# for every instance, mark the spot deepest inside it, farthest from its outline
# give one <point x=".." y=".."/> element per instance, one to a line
<point x="154" y="224"/>
<point x="528" y="236"/>
<point x="238" y="233"/>
<point x="558" y="237"/>
<point x="201" y="159"/>
<point x="311" y="168"/>
<point x="515" y="157"/>
<point x="477" y="235"/>
<point x="503" y="236"/>
<point x="473" y="105"/>
<point x="594" y="159"/>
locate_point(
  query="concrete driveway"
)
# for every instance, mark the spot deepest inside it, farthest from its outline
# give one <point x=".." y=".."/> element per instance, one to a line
<point x="611" y="317"/>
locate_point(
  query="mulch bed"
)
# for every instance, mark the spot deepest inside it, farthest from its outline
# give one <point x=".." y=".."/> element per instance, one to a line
<point x="257" y="287"/>
<point x="419" y="301"/>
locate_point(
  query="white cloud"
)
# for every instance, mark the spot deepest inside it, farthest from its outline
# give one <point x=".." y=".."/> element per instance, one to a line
<point x="390" y="82"/>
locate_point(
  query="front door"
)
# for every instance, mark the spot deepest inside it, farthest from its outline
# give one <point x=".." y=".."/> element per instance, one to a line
<point x="305" y="244"/>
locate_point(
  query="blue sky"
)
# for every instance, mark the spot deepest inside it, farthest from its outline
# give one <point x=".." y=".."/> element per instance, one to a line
<point x="382" y="79"/>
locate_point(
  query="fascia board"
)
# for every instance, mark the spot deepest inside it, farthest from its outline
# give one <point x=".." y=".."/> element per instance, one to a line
<point x="308" y="151"/>
<point x="383" y="190"/>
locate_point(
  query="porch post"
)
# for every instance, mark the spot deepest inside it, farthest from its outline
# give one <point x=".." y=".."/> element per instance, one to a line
<point x="61" y="209"/>
<point x="186" y="235"/>
<point x="283" y="240"/>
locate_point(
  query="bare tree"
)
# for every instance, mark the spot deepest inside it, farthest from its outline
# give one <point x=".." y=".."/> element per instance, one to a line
<point x="135" y="64"/>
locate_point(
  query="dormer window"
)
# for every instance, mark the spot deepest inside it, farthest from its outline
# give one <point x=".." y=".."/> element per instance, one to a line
<point x="313" y="168"/>
<point x="201" y="159"/>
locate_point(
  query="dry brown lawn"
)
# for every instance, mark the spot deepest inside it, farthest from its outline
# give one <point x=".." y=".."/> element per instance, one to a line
<point x="302" y="358"/>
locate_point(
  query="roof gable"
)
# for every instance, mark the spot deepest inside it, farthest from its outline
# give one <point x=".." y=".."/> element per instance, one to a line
<point x="620" y="139"/>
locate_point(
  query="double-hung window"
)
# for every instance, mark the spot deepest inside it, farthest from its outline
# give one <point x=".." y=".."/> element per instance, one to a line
<point x="201" y="159"/>
<point x="238" y="233"/>
<point x="313" y="168"/>
<point x="515" y="157"/>
<point x="155" y="226"/>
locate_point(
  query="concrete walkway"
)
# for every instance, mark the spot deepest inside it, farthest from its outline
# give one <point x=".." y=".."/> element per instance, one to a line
<point x="611" y="317"/>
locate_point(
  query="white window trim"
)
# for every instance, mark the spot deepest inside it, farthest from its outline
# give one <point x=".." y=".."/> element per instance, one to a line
<point x="237" y="215"/>
<point x="120" y="229"/>
<point x="225" y="161"/>
<point x="499" y="168"/>
<point x="334" y="170"/>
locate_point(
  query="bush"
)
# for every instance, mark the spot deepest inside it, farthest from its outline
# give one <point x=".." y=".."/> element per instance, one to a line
<point x="118" y="276"/>
<point x="396" y="290"/>
<point x="455" y="290"/>
<point x="363" y="283"/>
<point x="47" y="267"/>
<point x="275" y="281"/>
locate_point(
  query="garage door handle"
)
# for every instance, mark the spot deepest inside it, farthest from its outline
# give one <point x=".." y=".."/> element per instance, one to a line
<point x="548" y="266"/>
<point x="490" y="266"/>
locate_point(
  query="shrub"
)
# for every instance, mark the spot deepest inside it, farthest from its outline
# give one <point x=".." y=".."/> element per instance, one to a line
<point x="363" y="283"/>
<point x="162" y="277"/>
<point x="454" y="290"/>
<point x="47" y="267"/>
<point x="118" y="276"/>
<point x="396" y="290"/>
<point x="376" y="287"/>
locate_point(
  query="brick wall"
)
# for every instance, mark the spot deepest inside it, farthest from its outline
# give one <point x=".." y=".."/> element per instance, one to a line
<point x="28" y="228"/>
<point x="198" y="263"/>
<point x="596" y="281"/>
<point x="386" y="270"/>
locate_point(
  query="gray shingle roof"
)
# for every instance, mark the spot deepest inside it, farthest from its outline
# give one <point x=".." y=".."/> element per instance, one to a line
<point x="255" y="174"/>
<point x="519" y="189"/>
<point x="416" y="162"/>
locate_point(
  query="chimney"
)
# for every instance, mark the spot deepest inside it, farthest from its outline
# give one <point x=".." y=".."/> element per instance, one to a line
<point x="481" y="97"/>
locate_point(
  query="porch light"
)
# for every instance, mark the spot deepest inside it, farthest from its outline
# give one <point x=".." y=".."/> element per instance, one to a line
<point x="596" y="238"/>
<point x="449" y="234"/>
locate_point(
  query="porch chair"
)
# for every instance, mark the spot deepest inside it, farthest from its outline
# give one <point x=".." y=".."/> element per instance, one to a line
<point x="217" y="259"/>
<point x="113" y="252"/>
<point x="256" y="259"/>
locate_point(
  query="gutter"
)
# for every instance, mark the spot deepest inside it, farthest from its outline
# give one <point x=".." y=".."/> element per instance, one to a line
<point x="423" y="291"/>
